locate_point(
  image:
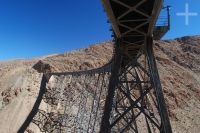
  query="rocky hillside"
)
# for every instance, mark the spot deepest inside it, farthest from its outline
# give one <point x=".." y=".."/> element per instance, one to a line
<point x="179" y="67"/>
<point x="92" y="57"/>
<point x="178" y="63"/>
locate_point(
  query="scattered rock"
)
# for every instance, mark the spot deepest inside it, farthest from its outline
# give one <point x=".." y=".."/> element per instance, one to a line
<point x="42" y="67"/>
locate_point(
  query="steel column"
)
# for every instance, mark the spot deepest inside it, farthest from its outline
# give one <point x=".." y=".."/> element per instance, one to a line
<point x="114" y="79"/>
<point x="165" y="126"/>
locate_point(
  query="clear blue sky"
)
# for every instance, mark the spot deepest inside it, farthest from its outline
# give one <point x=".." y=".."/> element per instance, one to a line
<point x="32" y="28"/>
<point x="178" y="27"/>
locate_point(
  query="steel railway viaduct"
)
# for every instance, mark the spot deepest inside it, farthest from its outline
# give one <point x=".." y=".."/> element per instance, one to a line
<point x="125" y="95"/>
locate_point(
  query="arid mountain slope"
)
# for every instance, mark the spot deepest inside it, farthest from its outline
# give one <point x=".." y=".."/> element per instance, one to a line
<point x="179" y="67"/>
<point x="83" y="59"/>
<point x="178" y="63"/>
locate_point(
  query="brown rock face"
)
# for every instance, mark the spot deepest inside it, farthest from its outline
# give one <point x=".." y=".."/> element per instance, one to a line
<point x="178" y="63"/>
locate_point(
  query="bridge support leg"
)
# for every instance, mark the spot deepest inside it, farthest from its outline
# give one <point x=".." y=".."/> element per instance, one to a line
<point x="105" y="124"/>
<point x="166" y="126"/>
<point x="135" y="101"/>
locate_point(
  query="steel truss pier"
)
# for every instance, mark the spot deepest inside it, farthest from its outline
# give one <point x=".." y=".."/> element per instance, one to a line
<point x="135" y="101"/>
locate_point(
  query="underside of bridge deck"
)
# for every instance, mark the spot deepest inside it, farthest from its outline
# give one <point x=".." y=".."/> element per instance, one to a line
<point x="132" y="21"/>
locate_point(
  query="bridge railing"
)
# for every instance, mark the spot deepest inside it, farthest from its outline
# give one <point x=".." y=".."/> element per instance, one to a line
<point x="162" y="25"/>
<point x="162" y="21"/>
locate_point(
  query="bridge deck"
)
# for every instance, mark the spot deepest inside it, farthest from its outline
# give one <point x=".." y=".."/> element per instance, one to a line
<point x="132" y="21"/>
